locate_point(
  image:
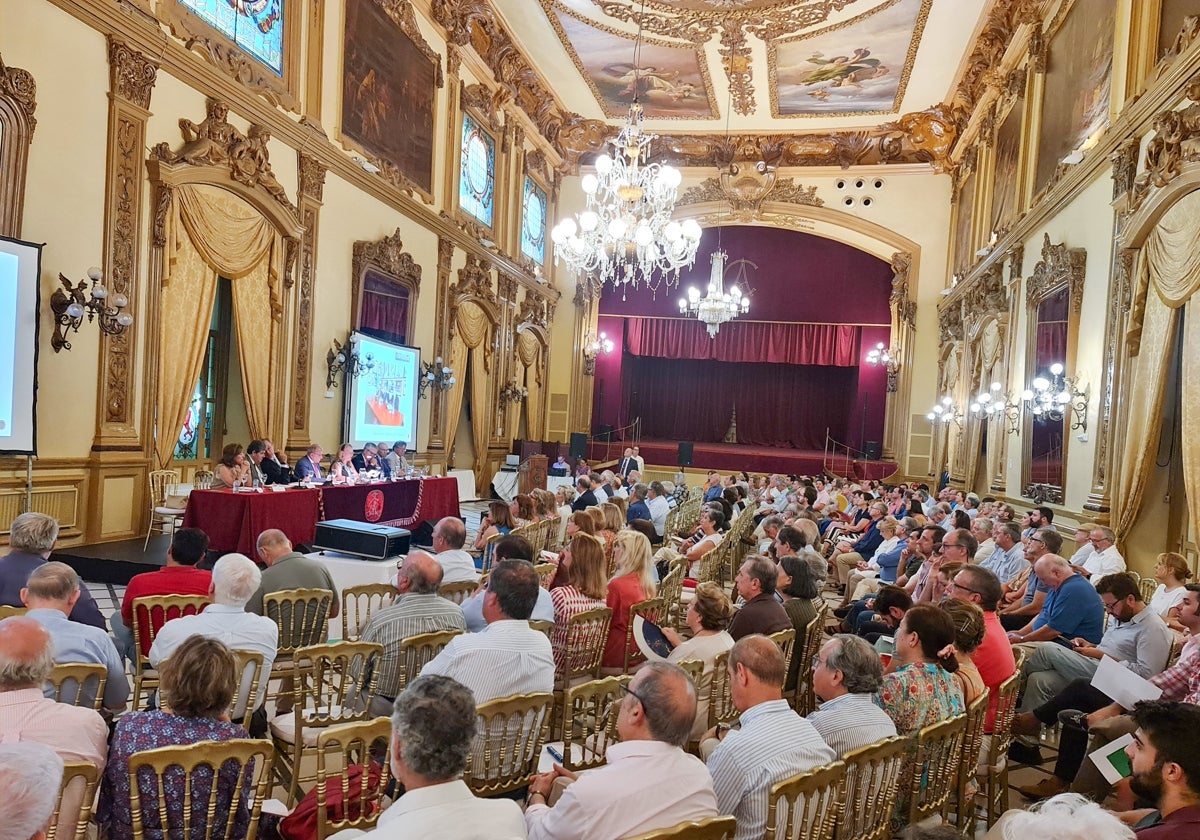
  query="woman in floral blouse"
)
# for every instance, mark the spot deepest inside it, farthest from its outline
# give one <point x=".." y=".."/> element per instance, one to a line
<point x="198" y="683"/>
<point x="921" y="690"/>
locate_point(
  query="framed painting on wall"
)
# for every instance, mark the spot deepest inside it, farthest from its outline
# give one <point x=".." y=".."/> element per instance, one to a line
<point x="1006" y="186"/>
<point x="389" y="81"/>
<point x="964" y="256"/>
<point x="1078" y="85"/>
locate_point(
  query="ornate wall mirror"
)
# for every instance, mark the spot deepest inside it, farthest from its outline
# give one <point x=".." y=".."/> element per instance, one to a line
<point x="18" y="95"/>
<point x="385" y="284"/>
<point x="1054" y="297"/>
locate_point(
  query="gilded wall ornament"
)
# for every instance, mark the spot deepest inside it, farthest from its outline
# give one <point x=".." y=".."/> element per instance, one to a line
<point x="1059" y="265"/>
<point x="18" y="86"/>
<point x="132" y="75"/>
<point x="747" y="186"/>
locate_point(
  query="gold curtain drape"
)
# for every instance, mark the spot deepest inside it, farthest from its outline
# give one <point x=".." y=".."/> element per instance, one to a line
<point x="213" y="233"/>
<point x="452" y="400"/>
<point x="530" y="355"/>
<point x="469" y="348"/>
<point x="1168" y="276"/>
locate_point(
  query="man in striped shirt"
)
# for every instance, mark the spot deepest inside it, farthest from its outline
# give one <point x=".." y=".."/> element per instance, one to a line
<point x="418" y="609"/>
<point x="773" y="744"/>
<point x="846" y="674"/>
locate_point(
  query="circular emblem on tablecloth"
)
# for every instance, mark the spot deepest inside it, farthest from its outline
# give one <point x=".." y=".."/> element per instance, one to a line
<point x="373" y="507"/>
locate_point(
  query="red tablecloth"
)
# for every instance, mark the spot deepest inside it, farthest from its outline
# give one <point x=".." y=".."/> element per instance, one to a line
<point x="233" y="521"/>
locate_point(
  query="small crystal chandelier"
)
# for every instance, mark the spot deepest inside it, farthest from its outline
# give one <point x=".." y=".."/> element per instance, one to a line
<point x="1051" y="399"/>
<point x="718" y="306"/>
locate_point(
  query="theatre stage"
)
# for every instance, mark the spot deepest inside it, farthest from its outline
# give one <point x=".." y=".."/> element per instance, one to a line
<point x="730" y="457"/>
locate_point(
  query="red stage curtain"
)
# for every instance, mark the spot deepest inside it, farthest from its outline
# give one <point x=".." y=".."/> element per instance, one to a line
<point x="777" y="405"/>
<point x="791" y="344"/>
<point x="384" y="314"/>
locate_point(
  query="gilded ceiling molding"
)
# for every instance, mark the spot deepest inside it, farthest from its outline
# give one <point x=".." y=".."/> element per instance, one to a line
<point x="1059" y="265"/>
<point x="1173" y="144"/>
<point x="902" y="303"/>
<point x="747" y="187"/>
<point x="735" y="58"/>
<point x="987" y="54"/>
<point x="486" y="103"/>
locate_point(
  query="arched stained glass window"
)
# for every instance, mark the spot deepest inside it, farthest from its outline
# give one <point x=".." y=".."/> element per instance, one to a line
<point x="256" y="26"/>
<point x="533" y="222"/>
<point x="477" y="179"/>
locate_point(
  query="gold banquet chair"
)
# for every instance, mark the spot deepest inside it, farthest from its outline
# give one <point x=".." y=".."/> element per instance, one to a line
<point x="966" y="786"/>
<point x="934" y="769"/>
<point x="203" y="479"/>
<point x="242" y="768"/>
<point x="302" y="616"/>
<point x="415" y="652"/>
<point x="79" y="684"/>
<point x="652" y="610"/>
<point x="545" y="573"/>
<point x="872" y="785"/>
<point x="808" y="805"/>
<point x="325" y="693"/>
<point x="11" y="612"/>
<point x="149" y="615"/>
<point x="587" y="633"/>
<point x="251" y="686"/>
<point x="785" y="640"/>
<point x="995" y="762"/>
<point x="359" y="603"/>
<point x="713" y="828"/>
<point x="512" y="731"/>
<point x="76" y="796"/>
<point x="161" y="516"/>
<point x="805" y="698"/>
<point x="340" y="747"/>
<point x="590" y="725"/>
<point x="459" y="591"/>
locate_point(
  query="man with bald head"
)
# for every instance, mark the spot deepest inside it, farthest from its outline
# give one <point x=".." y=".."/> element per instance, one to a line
<point x="1072" y="608"/>
<point x="26" y="659"/>
<point x="418" y="609"/>
<point x="449" y="537"/>
<point x="288" y="569"/>
<point x="648" y="782"/>
<point x="774" y="743"/>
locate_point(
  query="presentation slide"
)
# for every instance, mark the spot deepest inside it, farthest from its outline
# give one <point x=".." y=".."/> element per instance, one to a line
<point x="381" y="403"/>
<point x="20" y="267"/>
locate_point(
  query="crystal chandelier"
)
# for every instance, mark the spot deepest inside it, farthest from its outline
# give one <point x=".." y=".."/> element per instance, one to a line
<point x="626" y="236"/>
<point x="1051" y="399"/>
<point x="718" y="306"/>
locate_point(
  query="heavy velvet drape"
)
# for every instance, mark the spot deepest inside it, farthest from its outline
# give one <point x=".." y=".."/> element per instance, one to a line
<point x="384" y="311"/>
<point x="777" y="405"/>
<point x="740" y="341"/>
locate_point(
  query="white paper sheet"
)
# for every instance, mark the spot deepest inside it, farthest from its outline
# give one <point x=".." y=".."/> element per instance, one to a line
<point x="1102" y="758"/>
<point x="1122" y="685"/>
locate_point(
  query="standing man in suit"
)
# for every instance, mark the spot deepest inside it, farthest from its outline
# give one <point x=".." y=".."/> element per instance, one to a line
<point x="309" y="467"/>
<point x="627" y="463"/>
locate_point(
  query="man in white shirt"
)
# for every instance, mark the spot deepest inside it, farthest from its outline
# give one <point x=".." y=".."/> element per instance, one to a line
<point x="648" y="783"/>
<point x="508" y="657"/>
<point x="773" y="744"/>
<point x="981" y="529"/>
<point x="1104" y="559"/>
<point x="846" y="676"/>
<point x="433" y="728"/>
<point x="449" y="537"/>
<point x="235" y="579"/>
<point x="395" y="458"/>
<point x="656" y="500"/>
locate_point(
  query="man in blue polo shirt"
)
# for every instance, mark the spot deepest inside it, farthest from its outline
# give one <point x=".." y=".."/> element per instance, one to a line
<point x="1070" y="610"/>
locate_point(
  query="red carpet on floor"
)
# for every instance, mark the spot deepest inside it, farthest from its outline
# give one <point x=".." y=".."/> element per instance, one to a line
<point x="730" y="457"/>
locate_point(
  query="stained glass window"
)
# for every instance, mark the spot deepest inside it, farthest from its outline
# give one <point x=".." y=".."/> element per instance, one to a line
<point x="256" y="26"/>
<point x="477" y="181"/>
<point x="533" y="222"/>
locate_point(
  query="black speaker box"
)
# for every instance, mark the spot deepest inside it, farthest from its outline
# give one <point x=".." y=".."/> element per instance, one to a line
<point x="685" y="454"/>
<point x="370" y="542"/>
<point x="578" y="445"/>
<point x="872" y="450"/>
<point x="423" y="533"/>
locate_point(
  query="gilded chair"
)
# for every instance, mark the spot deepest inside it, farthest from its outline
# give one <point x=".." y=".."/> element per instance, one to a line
<point x="785" y="640"/>
<point x="415" y="652"/>
<point x="230" y="808"/>
<point x="872" y="785"/>
<point x="587" y="633"/>
<point x="251" y="686"/>
<point x="805" y="699"/>
<point x="994" y="777"/>
<point x="489" y="548"/>
<point x="545" y="573"/>
<point x="966" y="786"/>
<point x="652" y="610"/>
<point x="359" y="603"/>
<point x="1148" y="587"/>
<point x="512" y="731"/>
<point x="325" y="693"/>
<point x="459" y="591"/>
<point x="720" y="700"/>
<point x="546" y="627"/>
<point x="76" y="796"/>
<point x="79" y="684"/>
<point x="160" y="516"/>
<point x="933" y="771"/>
<point x="344" y="746"/>
<point x="149" y="615"/>
<point x="11" y="612"/>
<point x="203" y="479"/>
<point x="713" y="828"/>
<point x="710" y="566"/>
<point x="302" y="616"/>
<point x="808" y="805"/>
<point x="670" y="590"/>
<point x="590" y="721"/>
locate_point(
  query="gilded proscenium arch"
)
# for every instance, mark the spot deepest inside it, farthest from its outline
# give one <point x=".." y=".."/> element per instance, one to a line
<point x="868" y="237"/>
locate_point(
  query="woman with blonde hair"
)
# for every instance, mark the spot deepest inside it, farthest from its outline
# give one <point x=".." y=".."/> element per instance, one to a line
<point x="613" y="522"/>
<point x="586" y="589"/>
<point x="597" y="515"/>
<point x="968" y="636"/>
<point x="562" y="504"/>
<point x="343" y="470"/>
<point x="632" y="583"/>
<point x="708" y="616"/>
<point x="1172" y="574"/>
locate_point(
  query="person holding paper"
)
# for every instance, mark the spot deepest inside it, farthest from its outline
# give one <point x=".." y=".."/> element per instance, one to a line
<point x="1165" y="755"/>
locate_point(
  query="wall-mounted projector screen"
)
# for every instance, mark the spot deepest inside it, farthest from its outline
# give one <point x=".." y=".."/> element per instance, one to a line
<point x="381" y="403"/>
<point x="20" y="268"/>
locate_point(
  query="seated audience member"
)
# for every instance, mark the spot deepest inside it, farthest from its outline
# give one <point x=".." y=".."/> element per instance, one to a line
<point x="632" y="582"/>
<point x="968" y="635"/>
<point x="773" y="744"/>
<point x="197" y="686"/>
<point x="708" y="616"/>
<point x="273" y="464"/>
<point x="449" y="537"/>
<point x="882" y="613"/>
<point x="881" y="566"/>
<point x="366" y="460"/>
<point x="433" y="728"/>
<point x="31" y="538"/>
<point x="656" y="501"/>
<point x="498" y="520"/>
<point x="1071" y="609"/>
<point x="582" y="468"/>
<point x="512" y="547"/>
<point x="522" y="510"/>
<point x="1008" y="559"/>
<point x="179" y="577"/>
<point x="586" y="588"/>
<point x="309" y="468"/>
<point x="922" y="690"/>
<point x="760" y="613"/>
<point x="981" y="530"/>
<point x="1083" y="543"/>
<point x="801" y="594"/>
<point x="508" y="656"/>
<point x="342" y="471"/>
<point x="694" y="549"/>
<point x="848" y="555"/>
<point x="1065" y="817"/>
<point x="1165" y="755"/>
<point x="586" y="497"/>
<point x="638" y="509"/>
<point x="648" y="782"/>
<point x="846" y="675"/>
<point x="994" y="656"/>
<point x="232" y="470"/>
<point x="397" y="463"/>
<point x="30" y="778"/>
<point x="256" y="453"/>
<point x="288" y="569"/>
<point x="26" y="659"/>
<point x="1172" y="573"/>
<point x="418" y="609"/>
<point x="1024" y="594"/>
<point x="235" y="578"/>
<point x="1104" y="559"/>
<point x="50" y="596"/>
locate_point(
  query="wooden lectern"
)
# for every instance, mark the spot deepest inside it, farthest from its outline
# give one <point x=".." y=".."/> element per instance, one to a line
<point x="531" y="474"/>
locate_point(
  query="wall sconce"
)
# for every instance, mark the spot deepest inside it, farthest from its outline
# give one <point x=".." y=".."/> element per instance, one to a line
<point x="69" y="306"/>
<point x="593" y="347"/>
<point x="512" y="392"/>
<point x="345" y="359"/>
<point x="1050" y="399"/>
<point x="890" y="357"/>
<point x="994" y="404"/>
<point x="945" y="412"/>
<point x="436" y="375"/>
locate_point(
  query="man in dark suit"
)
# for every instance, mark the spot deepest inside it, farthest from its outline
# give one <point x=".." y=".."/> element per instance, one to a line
<point x="586" y="497"/>
<point x="368" y="459"/>
<point x="309" y="467"/>
<point x="627" y="463"/>
<point x="275" y="468"/>
<point x="381" y="461"/>
<point x="256" y="454"/>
